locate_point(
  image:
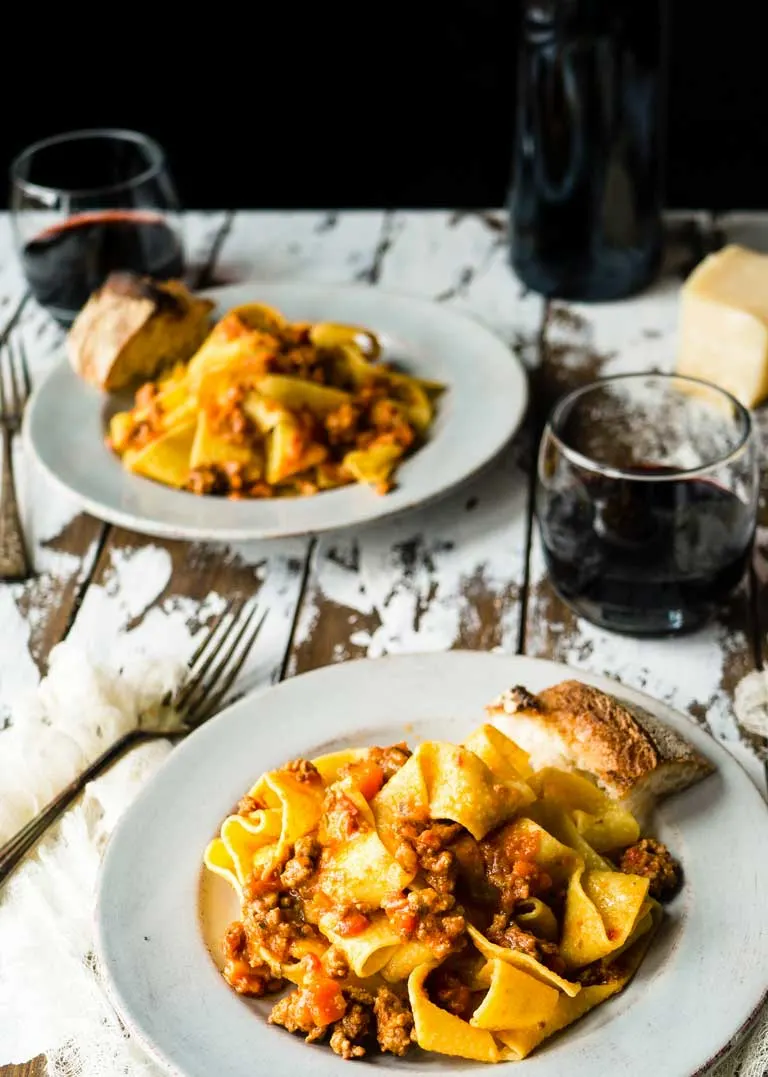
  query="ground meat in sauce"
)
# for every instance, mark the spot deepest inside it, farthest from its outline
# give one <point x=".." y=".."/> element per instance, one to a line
<point x="247" y="979"/>
<point x="511" y="867"/>
<point x="505" y="932"/>
<point x="292" y="1015"/>
<point x="302" y="865"/>
<point x="450" y="993"/>
<point x="654" y="861"/>
<point x="604" y="971"/>
<point x="429" y="917"/>
<point x="275" y="922"/>
<point x="384" y="1016"/>
<point x="304" y="771"/>
<point x="435" y="858"/>
<point x="351" y="1034"/>
<point x="394" y="1022"/>
<point x="391" y="759"/>
<point x="248" y="804"/>
<point x="335" y="963"/>
<point x="341" y="818"/>
<point x="423" y="846"/>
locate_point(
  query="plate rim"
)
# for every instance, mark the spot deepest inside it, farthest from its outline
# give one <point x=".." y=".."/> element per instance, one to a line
<point x="177" y="757"/>
<point x="155" y="527"/>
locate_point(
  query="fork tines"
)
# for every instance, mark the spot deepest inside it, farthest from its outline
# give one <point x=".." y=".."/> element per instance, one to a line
<point x="15" y="381"/>
<point x="217" y="661"/>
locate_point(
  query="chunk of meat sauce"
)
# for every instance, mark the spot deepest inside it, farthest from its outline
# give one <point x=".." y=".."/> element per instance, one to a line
<point x="318" y="1002"/>
<point x="352" y="1016"/>
<point x="254" y="980"/>
<point x="450" y="993"/>
<point x="653" y="860"/>
<point x="509" y="856"/>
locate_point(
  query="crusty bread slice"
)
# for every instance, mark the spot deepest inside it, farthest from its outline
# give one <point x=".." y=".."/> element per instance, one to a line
<point x="630" y="753"/>
<point x="133" y="326"/>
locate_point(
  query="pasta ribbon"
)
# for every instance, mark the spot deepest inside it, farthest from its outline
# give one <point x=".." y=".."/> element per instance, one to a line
<point x="243" y="836"/>
<point x="554" y="819"/>
<point x="601" y="911"/>
<point x="535" y="916"/>
<point x="407" y="957"/>
<point x="522" y="961"/>
<point x="329" y="765"/>
<point x="519" y="1043"/>
<point x="438" y="1030"/>
<point x="362" y="870"/>
<point x="515" y="999"/>
<point x="219" y="859"/>
<point x="602" y="822"/>
<point x="448" y="781"/>
<point x="300" y="804"/>
<point x="367" y="952"/>
<point x="505" y="760"/>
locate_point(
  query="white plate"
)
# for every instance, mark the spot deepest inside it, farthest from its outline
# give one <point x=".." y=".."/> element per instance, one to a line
<point x="481" y="410"/>
<point x="696" y="992"/>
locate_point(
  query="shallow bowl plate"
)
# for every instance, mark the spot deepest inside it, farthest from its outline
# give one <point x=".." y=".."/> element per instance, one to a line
<point x="698" y="990"/>
<point x="480" y="411"/>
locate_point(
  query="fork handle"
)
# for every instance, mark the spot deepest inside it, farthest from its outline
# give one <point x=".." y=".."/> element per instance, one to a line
<point x="14" y="562"/>
<point x="16" y="849"/>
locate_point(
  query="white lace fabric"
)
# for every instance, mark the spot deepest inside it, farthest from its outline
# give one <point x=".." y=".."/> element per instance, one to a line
<point x="52" y="998"/>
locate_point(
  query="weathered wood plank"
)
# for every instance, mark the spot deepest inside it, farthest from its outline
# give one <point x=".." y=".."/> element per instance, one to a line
<point x="35" y="615"/>
<point x="34" y="1068"/>
<point x="450" y="574"/>
<point x="696" y="673"/>
<point x="331" y="248"/>
<point x="149" y="593"/>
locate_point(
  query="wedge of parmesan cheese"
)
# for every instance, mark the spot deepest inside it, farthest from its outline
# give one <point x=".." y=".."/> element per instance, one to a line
<point x="724" y="323"/>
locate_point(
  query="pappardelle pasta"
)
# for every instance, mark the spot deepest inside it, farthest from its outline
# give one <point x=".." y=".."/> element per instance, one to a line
<point x="449" y="897"/>
<point x="270" y="408"/>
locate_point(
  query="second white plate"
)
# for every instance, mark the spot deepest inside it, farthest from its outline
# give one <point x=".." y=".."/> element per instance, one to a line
<point x="483" y="407"/>
<point x="694" y="995"/>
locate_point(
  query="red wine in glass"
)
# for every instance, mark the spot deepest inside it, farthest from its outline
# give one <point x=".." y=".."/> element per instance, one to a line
<point x="65" y="263"/>
<point x="87" y="203"/>
<point x="647" y="501"/>
<point x="646" y="557"/>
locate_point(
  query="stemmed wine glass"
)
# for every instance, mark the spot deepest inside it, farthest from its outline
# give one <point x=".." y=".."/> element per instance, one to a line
<point x="89" y="202"/>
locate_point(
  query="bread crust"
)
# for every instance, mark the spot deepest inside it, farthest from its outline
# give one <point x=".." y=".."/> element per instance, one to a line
<point x="621" y="744"/>
<point x="132" y="326"/>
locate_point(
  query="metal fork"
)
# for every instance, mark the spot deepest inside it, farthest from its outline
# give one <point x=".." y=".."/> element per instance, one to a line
<point x="15" y="387"/>
<point x="212" y="670"/>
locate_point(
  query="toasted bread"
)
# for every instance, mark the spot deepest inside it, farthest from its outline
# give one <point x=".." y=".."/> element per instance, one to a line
<point x="132" y="327"/>
<point x="633" y="756"/>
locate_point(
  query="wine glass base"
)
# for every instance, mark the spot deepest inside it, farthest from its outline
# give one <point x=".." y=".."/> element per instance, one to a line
<point x="644" y="624"/>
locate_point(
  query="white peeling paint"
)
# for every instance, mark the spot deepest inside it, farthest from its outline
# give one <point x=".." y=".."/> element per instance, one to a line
<point x="412" y="571"/>
<point x="324" y="247"/>
<point x="463" y="261"/>
<point x="18" y="672"/>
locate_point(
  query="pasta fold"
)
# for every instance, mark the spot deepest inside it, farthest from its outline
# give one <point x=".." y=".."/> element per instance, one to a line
<point x="601" y="911"/>
<point x="515" y="999"/>
<point x="437" y="1030"/>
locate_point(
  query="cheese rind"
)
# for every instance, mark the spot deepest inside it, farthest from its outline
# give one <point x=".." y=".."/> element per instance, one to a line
<point x="724" y="323"/>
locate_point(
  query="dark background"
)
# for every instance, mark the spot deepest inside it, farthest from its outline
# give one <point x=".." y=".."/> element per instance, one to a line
<point x="403" y="104"/>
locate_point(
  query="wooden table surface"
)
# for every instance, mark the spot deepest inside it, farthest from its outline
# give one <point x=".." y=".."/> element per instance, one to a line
<point x="466" y="572"/>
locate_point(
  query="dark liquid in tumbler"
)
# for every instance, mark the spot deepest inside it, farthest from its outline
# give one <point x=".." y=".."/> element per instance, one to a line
<point x="66" y="263"/>
<point x="646" y="558"/>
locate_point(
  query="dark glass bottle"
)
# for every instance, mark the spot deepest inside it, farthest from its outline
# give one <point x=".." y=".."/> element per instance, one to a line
<point x="586" y="198"/>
